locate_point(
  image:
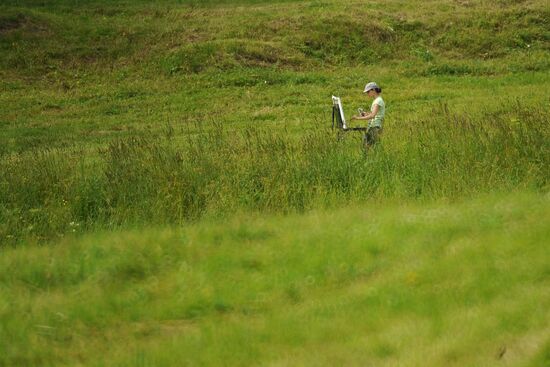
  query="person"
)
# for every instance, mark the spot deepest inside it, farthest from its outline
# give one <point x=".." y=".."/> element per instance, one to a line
<point x="376" y="115"/>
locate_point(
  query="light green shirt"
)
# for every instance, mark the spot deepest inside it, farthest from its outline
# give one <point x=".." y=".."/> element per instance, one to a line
<point x="378" y="120"/>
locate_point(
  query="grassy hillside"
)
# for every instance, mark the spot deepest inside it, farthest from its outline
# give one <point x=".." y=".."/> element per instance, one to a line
<point x="174" y="38"/>
<point x="125" y="113"/>
<point x="74" y="75"/>
<point x="172" y="193"/>
<point x="441" y="285"/>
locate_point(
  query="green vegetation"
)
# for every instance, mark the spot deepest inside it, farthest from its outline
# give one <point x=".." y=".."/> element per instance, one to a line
<point x="165" y="180"/>
<point x="437" y="284"/>
<point x="171" y="191"/>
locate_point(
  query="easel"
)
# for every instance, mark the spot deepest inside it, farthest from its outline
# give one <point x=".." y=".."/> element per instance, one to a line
<point x="339" y="120"/>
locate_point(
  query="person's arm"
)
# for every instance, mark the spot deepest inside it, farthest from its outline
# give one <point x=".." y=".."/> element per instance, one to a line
<point x="367" y="116"/>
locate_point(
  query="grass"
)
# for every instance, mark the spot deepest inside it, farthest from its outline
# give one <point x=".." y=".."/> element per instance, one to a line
<point x="454" y="284"/>
<point x="171" y="192"/>
<point x="216" y="172"/>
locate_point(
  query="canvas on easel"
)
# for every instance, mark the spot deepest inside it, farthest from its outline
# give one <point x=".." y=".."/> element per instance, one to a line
<point x="338" y="118"/>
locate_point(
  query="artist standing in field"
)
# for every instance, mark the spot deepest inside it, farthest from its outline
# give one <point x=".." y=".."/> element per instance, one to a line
<point x="376" y="115"/>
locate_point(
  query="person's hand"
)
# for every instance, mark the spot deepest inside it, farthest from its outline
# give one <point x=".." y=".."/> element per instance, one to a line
<point x="354" y="117"/>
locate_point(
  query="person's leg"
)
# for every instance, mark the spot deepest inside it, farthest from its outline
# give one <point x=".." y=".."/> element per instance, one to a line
<point x="371" y="137"/>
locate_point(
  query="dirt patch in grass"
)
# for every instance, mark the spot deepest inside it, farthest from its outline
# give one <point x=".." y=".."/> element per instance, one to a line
<point x="19" y="21"/>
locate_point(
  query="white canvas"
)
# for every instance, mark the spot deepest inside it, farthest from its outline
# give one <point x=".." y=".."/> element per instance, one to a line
<point x="336" y="101"/>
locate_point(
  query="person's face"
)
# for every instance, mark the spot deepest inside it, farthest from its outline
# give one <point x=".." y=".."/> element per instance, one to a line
<point x="371" y="93"/>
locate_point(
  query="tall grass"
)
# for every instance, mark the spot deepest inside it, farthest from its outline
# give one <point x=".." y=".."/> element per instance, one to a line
<point x="168" y="179"/>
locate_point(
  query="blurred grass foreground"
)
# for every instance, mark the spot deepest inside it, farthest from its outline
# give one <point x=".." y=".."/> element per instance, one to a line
<point x="410" y="285"/>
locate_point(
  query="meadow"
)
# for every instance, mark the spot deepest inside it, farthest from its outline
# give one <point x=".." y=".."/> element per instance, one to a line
<point x="172" y="192"/>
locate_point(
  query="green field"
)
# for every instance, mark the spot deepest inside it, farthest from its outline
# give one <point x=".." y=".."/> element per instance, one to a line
<point x="172" y="193"/>
<point x="438" y="284"/>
